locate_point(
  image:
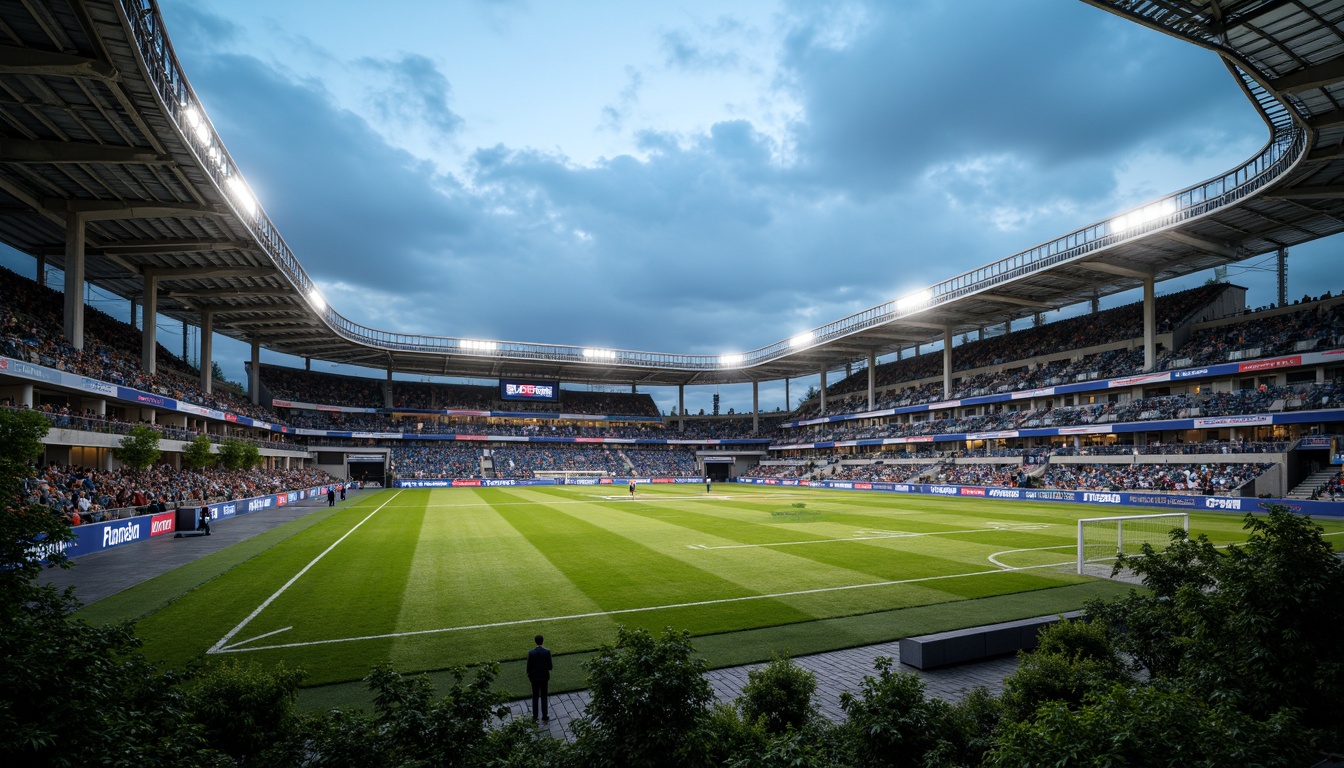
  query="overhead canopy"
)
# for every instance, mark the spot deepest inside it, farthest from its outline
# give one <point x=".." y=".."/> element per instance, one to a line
<point x="100" y="123"/>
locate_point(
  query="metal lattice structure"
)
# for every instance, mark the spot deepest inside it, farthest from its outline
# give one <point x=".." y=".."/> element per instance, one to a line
<point x="98" y="123"/>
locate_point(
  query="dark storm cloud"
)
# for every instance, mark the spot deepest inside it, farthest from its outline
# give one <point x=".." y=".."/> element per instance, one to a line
<point x="412" y="88"/>
<point x="1060" y="85"/>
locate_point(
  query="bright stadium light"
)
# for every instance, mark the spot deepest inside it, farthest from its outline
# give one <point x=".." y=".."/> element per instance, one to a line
<point x="474" y="345"/>
<point x="731" y="361"/>
<point x="318" y="302"/>
<point x="197" y="123"/>
<point x="599" y="354"/>
<point x="241" y="195"/>
<point x="1143" y="215"/>
<point x="914" y="301"/>
<point x="801" y="340"/>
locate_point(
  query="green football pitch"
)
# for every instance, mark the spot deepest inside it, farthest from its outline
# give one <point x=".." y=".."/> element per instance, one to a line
<point x="430" y="579"/>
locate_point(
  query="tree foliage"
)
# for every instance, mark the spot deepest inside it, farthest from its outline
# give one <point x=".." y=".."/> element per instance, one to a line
<point x="139" y="448"/>
<point x="236" y="455"/>
<point x="199" y="453"/>
<point x="778" y="695"/>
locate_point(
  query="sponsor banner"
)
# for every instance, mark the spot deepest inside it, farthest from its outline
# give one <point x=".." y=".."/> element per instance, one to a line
<point x="1337" y="458"/>
<point x="1084" y="430"/>
<point x="466" y="483"/>
<point x="248" y="506"/>
<point x="490" y="482"/>
<point x="991" y="435"/>
<point x="972" y="491"/>
<point x="1093" y="497"/>
<point x="1233" y="421"/>
<point x="1003" y="493"/>
<point x="29" y="371"/>
<point x="100" y="387"/>
<point x="376" y="435"/>
<point x="161" y="524"/>
<point x="365" y="457"/>
<point x="1148" y="378"/>
<point x="1270" y="364"/>
<point x="1316" y="442"/>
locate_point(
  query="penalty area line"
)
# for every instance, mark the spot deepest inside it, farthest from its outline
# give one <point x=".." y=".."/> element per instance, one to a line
<point x="220" y="646"/>
<point x="598" y="614"/>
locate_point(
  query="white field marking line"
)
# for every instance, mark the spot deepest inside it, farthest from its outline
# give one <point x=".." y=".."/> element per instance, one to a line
<point x="597" y="614"/>
<point x="856" y="537"/>
<point x="994" y="557"/>
<point x="223" y="641"/>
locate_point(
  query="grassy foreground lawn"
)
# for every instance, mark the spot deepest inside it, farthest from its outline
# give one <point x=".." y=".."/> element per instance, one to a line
<point x="434" y="578"/>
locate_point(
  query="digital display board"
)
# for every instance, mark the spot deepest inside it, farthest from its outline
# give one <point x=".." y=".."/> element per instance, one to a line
<point x="543" y="391"/>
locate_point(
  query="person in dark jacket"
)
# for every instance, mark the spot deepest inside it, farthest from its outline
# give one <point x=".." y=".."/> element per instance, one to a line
<point x="539" y="673"/>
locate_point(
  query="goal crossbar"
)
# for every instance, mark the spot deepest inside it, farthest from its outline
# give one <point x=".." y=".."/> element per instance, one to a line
<point x="1112" y="534"/>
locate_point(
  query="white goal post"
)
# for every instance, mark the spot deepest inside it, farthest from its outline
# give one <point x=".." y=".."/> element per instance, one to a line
<point x="1101" y="539"/>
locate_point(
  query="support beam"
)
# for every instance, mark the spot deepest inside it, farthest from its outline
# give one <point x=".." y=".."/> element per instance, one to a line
<point x="185" y="351"/>
<point x="755" y="407"/>
<point x="1220" y="249"/>
<point x="1328" y="120"/>
<point x="823" y="389"/>
<point x="159" y="247"/>
<point x="175" y="273"/>
<point x="1114" y="269"/>
<point x="21" y="151"/>
<point x="74" y="280"/>
<point x="149" y="334"/>
<point x="1014" y="300"/>
<point x="15" y="60"/>
<point x="207" y="349"/>
<point x="1282" y="273"/>
<point x="872" y="379"/>
<point x="947" y="362"/>
<point x="1096" y="303"/>
<point x="109" y="210"/>
<point x="1308" y="193"/>
<point x="42" y="271"/>
<point x="1149" y="325"/>
<point x="135" y="313"/>
<point x="254" y="377"/>
<point x="681" y="407"/>
<point x="387" y="385"/>
<point x="788" y="404"/>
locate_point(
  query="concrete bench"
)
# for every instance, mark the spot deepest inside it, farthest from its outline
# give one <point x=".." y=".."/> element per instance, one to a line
<point x="959" y="646"/>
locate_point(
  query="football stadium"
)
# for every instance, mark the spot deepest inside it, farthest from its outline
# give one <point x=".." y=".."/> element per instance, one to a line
<point x="1099" y="440"/>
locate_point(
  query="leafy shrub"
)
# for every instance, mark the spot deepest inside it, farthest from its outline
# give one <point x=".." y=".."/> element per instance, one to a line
<point x="778" y="695"/>
<point x="247" y="711"/>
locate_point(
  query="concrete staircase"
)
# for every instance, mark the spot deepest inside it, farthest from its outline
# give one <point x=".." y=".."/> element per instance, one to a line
<point x="1306" y="487"/>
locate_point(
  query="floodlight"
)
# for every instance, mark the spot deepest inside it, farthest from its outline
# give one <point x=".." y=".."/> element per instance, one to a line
<point x="914" y="300"/>
<point x="802" y="339"/>
<point x="241" y="195"/>
<point x="477" y="346"/>
<point x="1143" y="215"/>
<point x="318" y="302"/>
<point x="732" y="360"/>
<point x="599" y="354"/>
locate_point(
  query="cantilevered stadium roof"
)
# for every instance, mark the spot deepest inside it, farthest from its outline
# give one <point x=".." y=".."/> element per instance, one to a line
<point x="101" y="128"/>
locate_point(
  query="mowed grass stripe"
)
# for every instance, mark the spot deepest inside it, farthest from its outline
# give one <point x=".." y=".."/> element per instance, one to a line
<point x="614" y="570"/>
<point x="355" y="589"/>
<point x="187" y="626"/>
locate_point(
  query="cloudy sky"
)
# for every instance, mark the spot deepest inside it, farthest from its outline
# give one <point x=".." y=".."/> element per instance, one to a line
<point x="671" y="176"/>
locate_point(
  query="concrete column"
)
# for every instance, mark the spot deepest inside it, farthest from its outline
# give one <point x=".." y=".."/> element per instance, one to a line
<point x="307" y="363"/>
<point x="823" y="390"/>
<point x="634" y="390"/>
<point x="872" y="380"/>
<point x="149" y="333"/>
<point x="185" y="351"/>
<point x="849" y="370"/>
<point x="681" y="407"/>
<point x="788" y="404"/>
<point x="387" y="388"/>
<point x="42" y="271"/>
<point x="947" y="361"/>
<point x="135" y="313"/>
<point x="980" y="333"/>
<point x="74" y="280"/>
<point x="1096" y="304"/>
<point x="254" y="379"/>
<point x="900" y="353"/>
<point x="25" y="397"/>
<point x="1149" y="325"/>
<point x="207" y="350"/>
<point x="755" y="407"/>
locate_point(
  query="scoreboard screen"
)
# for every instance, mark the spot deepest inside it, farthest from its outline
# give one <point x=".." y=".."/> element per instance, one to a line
<point x="543" y="391"/>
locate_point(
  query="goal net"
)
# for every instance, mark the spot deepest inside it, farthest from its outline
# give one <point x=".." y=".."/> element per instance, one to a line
<point x="1101" y="539"/>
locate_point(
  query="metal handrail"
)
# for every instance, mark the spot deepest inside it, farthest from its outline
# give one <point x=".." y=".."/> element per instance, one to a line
<point x="1286" y="146"/>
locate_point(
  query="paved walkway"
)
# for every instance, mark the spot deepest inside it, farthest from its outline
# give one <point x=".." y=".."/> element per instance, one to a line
<point x="837" y="672"/>
<point x="108" y="572"/>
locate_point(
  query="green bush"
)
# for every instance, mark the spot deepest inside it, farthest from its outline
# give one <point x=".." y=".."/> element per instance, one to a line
<point x="891" y="724"/>
<point x="778" y="695"/>
<point x="1074" y="658"/>
<point x="248" y="712"/>
<point x="649" y="702"/>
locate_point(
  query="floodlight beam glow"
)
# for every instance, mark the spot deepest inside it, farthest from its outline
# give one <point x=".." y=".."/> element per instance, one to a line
<point x="1144" y="215"/>
<point x="914" y="300"/>
<point x="731" y="360"/>
<point x="599" y="354"/>
<point x="315" y="297"/>
<point x="802" y="339"/>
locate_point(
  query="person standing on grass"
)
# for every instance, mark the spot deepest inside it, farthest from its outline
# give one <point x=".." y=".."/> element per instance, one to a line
<point x="331" y="496"/>
<point x="539" y="674"/>
<point x="707" y="484"/>
<point x="632" y="489"/>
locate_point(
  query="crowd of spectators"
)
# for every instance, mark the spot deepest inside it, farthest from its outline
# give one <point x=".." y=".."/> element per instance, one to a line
<point x="883" y="473"/>
<point x="525" y="461"/>
<point x="781" y="471"/>
<point x="30" y="330"/>
<point x="1001" y="475"/>
<point x="1207" y="479"/>
<point x="85" y="495"/>
<point x="1262" y="336"/>
<point x="446" y="459"/>
<point x="360" y="392"/>
<point x="1175" y="449"/>
<point x="662" y="462"/>
<point x="1332" y="489"/>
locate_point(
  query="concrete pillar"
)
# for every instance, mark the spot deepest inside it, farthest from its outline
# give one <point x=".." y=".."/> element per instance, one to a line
<point x="1096" y="304"/>
<point x="900" y="353"/>
<point x="849" y="370"/>
<point x="681" y="407"/>
<point x="307" y="363"/>
<point x="185" y="352"/>
<point x="823" y="390"/>
<point x="947" y="361"/>
<point x="634" y="390"/>
<point x="788" y="404"/>
<point x="1007" y="327"/>
<point x="254" y="379"/>
<point x="74" y="280"/>
<point x="42" y="271"/>
<point x="1149" y="325"/>
<point x="980" y="333"/>
<point x="135" y="313"/>
<point x="149" y="334"/>
<point x="387" y="388"/>
<point x="872" y="380"/>
<point x="755" y="407"/>
<point x="207" y="350"/>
